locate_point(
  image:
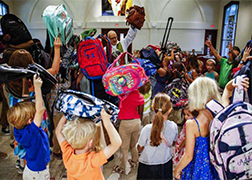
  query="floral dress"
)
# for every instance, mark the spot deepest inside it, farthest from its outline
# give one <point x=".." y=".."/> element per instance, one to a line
<point x="178" y="154"/>
<point x="199" y="168"/>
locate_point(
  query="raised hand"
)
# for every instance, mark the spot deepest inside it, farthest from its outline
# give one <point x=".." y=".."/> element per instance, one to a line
<point x="246" y="54"/>
<point x="208" y="42"/>
<point x="104" y="115"/>
<point x="57" y="42"/>
<point x="37" y="81"/>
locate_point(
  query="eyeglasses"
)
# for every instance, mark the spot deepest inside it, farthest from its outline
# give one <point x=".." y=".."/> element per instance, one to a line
<point x="113" y="38"/>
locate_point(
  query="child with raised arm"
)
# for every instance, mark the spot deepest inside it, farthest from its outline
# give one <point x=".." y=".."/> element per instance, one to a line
<point x="78" y="140"/>
<point x="26" y="120"/>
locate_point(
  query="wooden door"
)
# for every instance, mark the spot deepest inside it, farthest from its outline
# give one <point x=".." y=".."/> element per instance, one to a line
<point x="212" y="35"/>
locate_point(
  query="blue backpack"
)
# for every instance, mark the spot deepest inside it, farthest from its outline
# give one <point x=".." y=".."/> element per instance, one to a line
<point x="149" y="68"/>
<point x="74" y="103"/>
<point x="149" y="53"/>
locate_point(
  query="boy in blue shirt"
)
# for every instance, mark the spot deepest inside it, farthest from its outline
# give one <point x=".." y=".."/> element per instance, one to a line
<point x="26" y="120"/>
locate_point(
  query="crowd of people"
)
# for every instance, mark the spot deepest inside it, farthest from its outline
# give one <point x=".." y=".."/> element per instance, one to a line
<point x="150" y="123"/>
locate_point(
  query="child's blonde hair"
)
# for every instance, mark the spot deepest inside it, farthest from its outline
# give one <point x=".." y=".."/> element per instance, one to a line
<point x="19" y="114"/>
<point x="161" y="104"/>
<point x="79" y="131"/>
<point x="201" y="91"/>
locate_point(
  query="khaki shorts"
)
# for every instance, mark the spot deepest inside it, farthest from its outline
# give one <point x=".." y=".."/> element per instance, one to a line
<point x="38" y="175"/>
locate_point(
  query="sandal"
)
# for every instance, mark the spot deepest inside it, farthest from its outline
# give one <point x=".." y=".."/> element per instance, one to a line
<point x="132" y="163"/>
<point x="118" y="169"/>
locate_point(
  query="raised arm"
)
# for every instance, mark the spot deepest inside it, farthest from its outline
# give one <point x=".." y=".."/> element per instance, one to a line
<point x="129" y="38"/>
<point x="56" y="60"/>
<point x="39" y="104"/>
<point x="215" y="53"/>
<point x="227" y="93"/>
<point x="113" y="135"/>
<point x="58" y="130"/>
<point x="23" y="45"/>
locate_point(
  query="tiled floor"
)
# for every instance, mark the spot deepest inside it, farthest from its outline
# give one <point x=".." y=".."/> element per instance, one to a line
<point x="57" y="170"/>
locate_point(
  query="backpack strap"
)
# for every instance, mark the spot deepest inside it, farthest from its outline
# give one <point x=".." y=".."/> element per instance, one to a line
<point x="108" y="46"/>
<point x="118" y="58"/>
<point x="214" y="107"/>
<point x="165" y="140"/>
<point x="197" y="125"/>
<point x="225" y="114"/>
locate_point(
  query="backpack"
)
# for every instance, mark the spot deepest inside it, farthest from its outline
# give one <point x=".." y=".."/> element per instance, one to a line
<point x="149" y="68"/>
<point x="15" y="27"/>
<point x="58" y="23"/>
<point x="231" y="137"/>
<point x="136" y="16"/>
<point x="14" y="75"/>
<point x="92" y="58"/>
<point x="74" y="103"/>
<point x="123" y="79"/>
<point x="149" y="53"/>
<point x="40" y="56"/>
<point x="177" y="90"/>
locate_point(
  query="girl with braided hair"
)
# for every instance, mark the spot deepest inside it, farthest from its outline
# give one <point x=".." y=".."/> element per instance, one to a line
<point x="155" y="142"/>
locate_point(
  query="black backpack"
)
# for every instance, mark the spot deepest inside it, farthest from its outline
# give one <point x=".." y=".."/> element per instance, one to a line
<point x="15" y="27"/>
<point x="14" y="75"/>
<point x="177" y="90"/>
<point x="149" y="53"/>
<point x="40" y="56"/>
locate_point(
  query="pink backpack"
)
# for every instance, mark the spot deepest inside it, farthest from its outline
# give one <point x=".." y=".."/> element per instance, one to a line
<point x="231" y="136"/>
<point x="123" y="79"/>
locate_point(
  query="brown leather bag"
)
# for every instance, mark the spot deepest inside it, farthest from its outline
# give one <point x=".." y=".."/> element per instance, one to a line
<point x="136" y="16"/>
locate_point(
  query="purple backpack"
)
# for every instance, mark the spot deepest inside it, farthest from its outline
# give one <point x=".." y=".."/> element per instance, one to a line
<point x="231" y="136"/>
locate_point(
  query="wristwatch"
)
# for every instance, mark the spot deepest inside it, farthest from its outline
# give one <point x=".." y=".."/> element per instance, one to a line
<point x="242" y="62"/>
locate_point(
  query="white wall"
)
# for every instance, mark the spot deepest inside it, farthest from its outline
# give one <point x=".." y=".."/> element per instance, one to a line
<point x="191" y="18"/>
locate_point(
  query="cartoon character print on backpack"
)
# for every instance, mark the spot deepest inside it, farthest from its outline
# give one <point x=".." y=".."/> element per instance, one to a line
<point x="231" y="138"/>
<point x="177" y="90"/>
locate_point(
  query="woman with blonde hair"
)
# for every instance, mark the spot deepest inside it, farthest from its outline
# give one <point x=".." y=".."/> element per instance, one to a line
<point x="195" y="163"/>
<point x="155" y="142"/>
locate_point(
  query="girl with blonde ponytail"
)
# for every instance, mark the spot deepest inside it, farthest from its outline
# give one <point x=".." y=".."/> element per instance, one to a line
<point x="156" y="140"/>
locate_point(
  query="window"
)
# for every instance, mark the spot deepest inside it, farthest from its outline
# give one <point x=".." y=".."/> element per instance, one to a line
<point x="229" y="26"/>
<point x="4" y="9"/>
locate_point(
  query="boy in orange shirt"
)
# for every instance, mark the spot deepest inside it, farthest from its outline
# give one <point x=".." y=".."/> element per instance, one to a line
<point x="78" y="141"/>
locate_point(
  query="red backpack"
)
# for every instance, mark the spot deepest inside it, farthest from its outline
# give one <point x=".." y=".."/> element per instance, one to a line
<point x="92" y="57"/>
